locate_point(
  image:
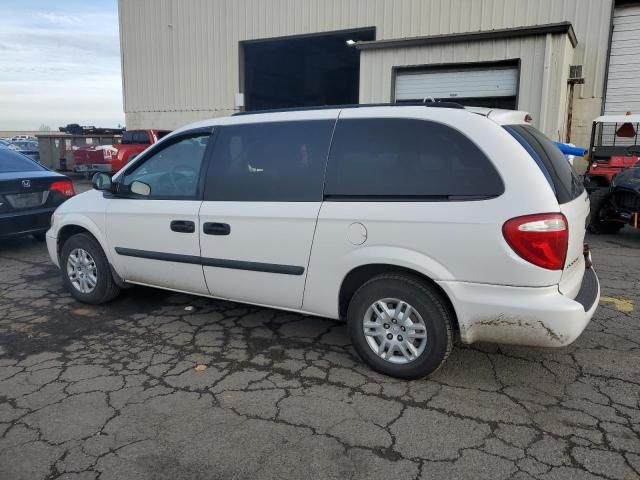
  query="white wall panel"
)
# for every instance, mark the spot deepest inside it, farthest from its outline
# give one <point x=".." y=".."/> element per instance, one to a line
<point x="623" y="91"/>
<point x="544" y="69"/>
<point x="182" y="55"/>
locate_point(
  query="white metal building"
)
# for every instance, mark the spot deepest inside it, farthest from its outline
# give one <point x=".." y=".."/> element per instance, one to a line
<point x="184" y="60"/>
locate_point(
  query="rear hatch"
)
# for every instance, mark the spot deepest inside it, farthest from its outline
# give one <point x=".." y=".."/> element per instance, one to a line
<point x="572" y="199"/>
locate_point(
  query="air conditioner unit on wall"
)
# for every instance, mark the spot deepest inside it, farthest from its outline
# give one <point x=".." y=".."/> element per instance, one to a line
<point x="575" y="74"/>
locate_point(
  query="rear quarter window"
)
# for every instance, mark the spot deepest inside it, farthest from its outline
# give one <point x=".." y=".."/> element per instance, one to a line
<point x="397" y="158"/>
<point x="554" y="165"/>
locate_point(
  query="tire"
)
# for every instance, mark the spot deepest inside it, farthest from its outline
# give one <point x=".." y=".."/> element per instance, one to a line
<point x="105" y="289"/>
<point x="428" y="306"/>
<point x="41" y="237"/>
<point x="598" y="224"/>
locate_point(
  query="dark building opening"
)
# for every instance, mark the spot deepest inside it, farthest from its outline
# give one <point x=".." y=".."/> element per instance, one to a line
<point x="316" y="69"/>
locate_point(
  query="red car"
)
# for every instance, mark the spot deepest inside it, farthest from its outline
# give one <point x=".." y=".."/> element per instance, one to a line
<point x="111" y="158"/>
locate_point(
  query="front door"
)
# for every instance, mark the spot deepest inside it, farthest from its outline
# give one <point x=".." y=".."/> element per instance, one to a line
<point x="154" y="232"/>
<point x="262" y="197"/>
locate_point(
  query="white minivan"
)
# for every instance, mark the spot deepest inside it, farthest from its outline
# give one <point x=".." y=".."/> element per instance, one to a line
<point x="410" y="222"/>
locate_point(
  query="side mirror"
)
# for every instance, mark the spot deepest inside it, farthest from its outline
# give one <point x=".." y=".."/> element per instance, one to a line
<point x="101" y="181"/>
<point x="140" y="188"/>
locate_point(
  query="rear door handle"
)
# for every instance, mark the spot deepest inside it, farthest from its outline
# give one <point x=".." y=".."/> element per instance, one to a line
<point x="183" y="226"/>
<point x="211" y="228"/>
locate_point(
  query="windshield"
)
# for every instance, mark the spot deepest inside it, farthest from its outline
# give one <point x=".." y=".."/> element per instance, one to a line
<point x="11" y="161"/>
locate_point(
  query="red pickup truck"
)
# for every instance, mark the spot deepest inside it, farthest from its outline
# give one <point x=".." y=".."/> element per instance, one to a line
<point x="111" y="158"/>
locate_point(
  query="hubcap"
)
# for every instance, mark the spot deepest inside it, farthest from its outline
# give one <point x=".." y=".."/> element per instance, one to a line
<point x="82" y="271"/>
<point x="394" y="330"/>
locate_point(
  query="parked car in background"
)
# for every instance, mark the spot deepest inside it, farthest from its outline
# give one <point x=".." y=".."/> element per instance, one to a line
<point x="18" y="138"/>
<point x="75" y="129"/>
<point x="618" y="205"/>
<point x="111" y="158"/>
<point x="29" y="194"/>
<point x="28" y="148"/>
<point x="614" y="147"/>
<point x="9" y="144"/>
<point x="407" y="221"/>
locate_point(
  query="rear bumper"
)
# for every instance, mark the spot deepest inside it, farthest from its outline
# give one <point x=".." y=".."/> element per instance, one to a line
<point x="540" y="317"/>
<point x="17" y="224"/>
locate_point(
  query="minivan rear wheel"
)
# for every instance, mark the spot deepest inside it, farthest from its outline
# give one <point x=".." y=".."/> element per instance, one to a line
<point x="400" y="326"/>
<point x="85" y="270"/>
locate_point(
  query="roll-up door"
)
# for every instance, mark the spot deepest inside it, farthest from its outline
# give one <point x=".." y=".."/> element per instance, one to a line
<point x="623" y="89"/>
<point x="486" y="87"/>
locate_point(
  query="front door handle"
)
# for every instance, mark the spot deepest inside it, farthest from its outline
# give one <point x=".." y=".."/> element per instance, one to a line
<point x="211" y="228"/>
<point x="183" y="226"/>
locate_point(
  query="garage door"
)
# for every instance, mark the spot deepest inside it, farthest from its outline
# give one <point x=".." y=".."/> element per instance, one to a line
<point x="491" y="87"/>
<point x="623" y="89"/>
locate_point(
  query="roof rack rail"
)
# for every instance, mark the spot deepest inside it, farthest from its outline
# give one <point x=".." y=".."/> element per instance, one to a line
<point x="432" y="104"/>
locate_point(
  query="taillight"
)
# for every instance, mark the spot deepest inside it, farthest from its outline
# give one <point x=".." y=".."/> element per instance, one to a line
<point x="65" y="187"/>
<point x="540" y="239"/>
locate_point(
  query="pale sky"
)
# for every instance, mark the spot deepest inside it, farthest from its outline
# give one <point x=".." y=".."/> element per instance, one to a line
<point x="59" y="64"/>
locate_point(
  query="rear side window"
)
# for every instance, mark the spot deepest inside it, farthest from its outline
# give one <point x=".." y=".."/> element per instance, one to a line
<point x="127" y="137"/>
<point x="270" y="162"/>
<point x="135" y="137"/>
<point x="11" y="161"/>
<point x="405" y="159"/>
<point x="554" y="165"/>
<point x="141" y="137"/>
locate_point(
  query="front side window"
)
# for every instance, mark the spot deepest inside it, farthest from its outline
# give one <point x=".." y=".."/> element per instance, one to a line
<point x="174" y="171"/>
<point x="404" y="159"/>
<point x="270" y="162"/>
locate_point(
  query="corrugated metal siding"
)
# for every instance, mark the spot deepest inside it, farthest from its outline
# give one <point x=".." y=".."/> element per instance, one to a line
<point x="375" y="65"/>
<point x="182" y="55"/>
<point x="623" y="92"/>
<point x="544" y="69"/>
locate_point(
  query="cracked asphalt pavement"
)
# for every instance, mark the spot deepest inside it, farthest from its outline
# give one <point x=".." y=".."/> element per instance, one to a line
<point x="113" y="392"/>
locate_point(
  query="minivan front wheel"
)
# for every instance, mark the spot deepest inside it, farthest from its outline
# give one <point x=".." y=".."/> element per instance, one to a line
<point x="85" y="270"/>
<point x="400" y="326"/>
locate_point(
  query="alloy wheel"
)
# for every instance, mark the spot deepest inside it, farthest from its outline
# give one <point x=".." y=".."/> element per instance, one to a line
<point x="82" y="270"/>
<point x="395" y="331"/>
